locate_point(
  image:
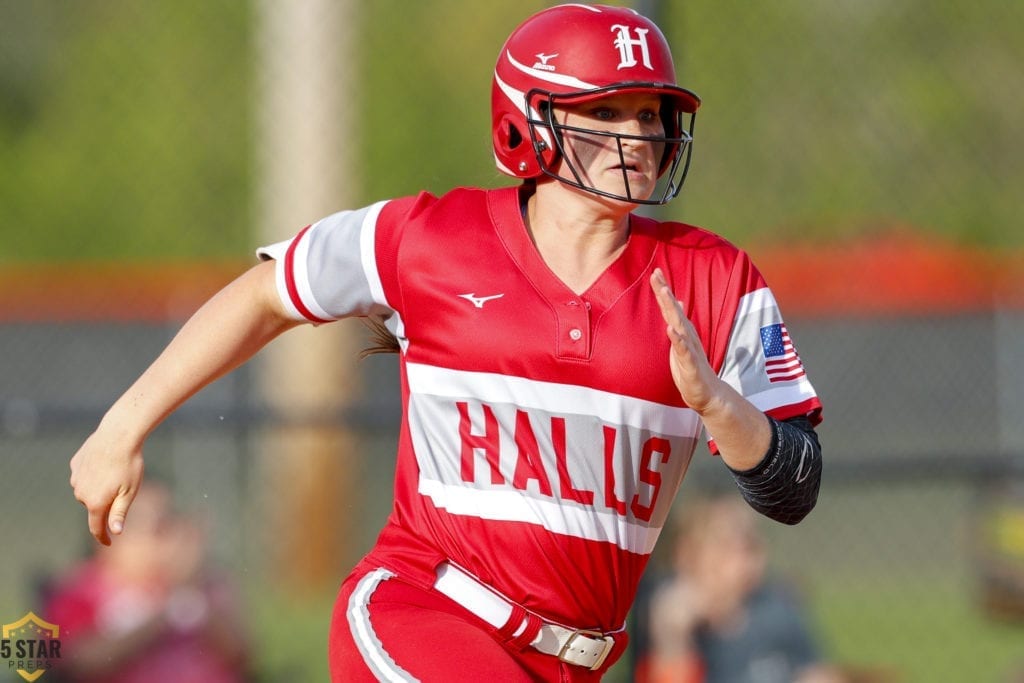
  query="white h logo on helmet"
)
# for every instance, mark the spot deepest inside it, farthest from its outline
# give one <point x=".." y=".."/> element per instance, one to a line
<point x="627" y="58"/>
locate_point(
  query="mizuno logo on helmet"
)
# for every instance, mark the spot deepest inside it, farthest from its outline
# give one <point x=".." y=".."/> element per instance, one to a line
<point x="542" y="62"/>
<point x="623" y="41"/>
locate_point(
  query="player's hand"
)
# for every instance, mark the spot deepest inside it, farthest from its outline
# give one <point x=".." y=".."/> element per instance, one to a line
<point x="696" y="380"/>
<point x="105" y="475"/>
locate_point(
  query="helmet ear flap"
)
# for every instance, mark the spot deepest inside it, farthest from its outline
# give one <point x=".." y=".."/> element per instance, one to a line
<point x="515" y="138"/>
<point x="512" y="147"/>
<point x="671" y="124"/>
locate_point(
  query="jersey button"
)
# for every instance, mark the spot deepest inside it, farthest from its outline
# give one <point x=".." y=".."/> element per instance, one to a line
<point x="575" y="334"/>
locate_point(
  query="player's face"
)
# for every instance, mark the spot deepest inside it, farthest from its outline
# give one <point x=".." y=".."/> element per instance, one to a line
<point x="618" y="165"/>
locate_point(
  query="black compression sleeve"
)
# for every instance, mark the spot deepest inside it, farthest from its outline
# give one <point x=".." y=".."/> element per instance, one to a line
<point x="784" y="486"/>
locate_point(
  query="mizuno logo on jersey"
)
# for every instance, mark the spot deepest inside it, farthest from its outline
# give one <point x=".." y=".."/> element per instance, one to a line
<point x="479" y="301"/>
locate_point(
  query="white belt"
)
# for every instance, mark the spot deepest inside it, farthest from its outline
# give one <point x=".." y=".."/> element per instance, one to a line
<point x="575" y="646"/>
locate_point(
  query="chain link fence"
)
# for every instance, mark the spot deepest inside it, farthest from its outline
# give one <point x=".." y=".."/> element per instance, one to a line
<point x="147" y="148"/>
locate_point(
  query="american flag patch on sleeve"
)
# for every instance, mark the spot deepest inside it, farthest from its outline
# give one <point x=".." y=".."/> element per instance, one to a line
<point x="781" y="362"/>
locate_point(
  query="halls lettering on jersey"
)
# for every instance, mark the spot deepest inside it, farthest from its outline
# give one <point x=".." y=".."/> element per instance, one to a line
<point x="529" y="462"/>
<point x="604" y="474"/>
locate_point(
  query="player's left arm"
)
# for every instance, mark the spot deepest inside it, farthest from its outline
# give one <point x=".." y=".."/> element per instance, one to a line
<point x="776" y="464"/>
<point x="784" y="485"/>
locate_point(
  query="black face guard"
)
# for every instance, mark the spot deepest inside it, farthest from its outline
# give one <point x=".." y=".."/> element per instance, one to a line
<point x="675" y="162"/>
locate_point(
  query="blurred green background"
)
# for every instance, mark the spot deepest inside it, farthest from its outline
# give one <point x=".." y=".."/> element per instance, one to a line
<point x="135" y="135"/>
<point x="128" y="129"/>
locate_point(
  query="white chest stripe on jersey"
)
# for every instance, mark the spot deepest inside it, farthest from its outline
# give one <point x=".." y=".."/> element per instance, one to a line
<point x="554" y="398"/>
<point x="512" y="506"/>
<point x="587" y="464"/>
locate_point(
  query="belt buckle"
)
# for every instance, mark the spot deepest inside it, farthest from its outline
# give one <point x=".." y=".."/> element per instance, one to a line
<point x="608" y="644"/>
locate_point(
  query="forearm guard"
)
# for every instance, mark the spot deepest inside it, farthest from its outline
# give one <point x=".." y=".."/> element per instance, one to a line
<point x="784" y="486"/>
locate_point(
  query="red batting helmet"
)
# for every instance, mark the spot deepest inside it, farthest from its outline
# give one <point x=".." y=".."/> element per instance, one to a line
<point x="574" y="53"/>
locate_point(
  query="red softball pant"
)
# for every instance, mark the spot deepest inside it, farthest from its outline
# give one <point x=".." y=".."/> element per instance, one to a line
<point x="386" y="629"/>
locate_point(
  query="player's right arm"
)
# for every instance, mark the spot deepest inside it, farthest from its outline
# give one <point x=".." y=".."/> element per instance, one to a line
<point x="225" y="332"/>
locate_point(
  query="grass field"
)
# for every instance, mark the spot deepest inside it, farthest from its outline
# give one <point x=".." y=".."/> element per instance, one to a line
<point x="924" y="632"/>
<point x="927" y="632"/>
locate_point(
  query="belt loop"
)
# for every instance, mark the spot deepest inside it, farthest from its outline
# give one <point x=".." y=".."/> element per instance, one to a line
<point x="530" y="631"/>
<point x="515" y="620"/>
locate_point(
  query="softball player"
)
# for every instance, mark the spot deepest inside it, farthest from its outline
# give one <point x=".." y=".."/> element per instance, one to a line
<point x="560" y="357"/>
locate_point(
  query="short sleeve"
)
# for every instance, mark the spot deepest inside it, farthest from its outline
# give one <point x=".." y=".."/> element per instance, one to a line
<point x="762" y="363"/>
<point x="329" y="270"/>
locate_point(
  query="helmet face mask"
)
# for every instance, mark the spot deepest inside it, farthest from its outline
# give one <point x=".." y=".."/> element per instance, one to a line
<point x="547" y="134"/>
<point x="572" y="54"/>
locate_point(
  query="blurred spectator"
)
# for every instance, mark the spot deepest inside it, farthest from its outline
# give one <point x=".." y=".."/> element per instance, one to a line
<point x="718" y="617"/>
<point x="147" y="609"/>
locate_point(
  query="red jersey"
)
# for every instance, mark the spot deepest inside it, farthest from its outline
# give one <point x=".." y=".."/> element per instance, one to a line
<point x="543" y="438"/>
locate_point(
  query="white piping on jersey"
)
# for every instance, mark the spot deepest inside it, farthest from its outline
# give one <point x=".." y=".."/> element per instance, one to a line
<point x="553" y="398"/>
<point x="278" y="252"/>
<point x="558" y="517"/>
<point x="368" y="257"/>
<point x="790" y="393"/>
<point x="367" y="252"/>
<point x="358" y="614"/>
<point x="300" y="272"/>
